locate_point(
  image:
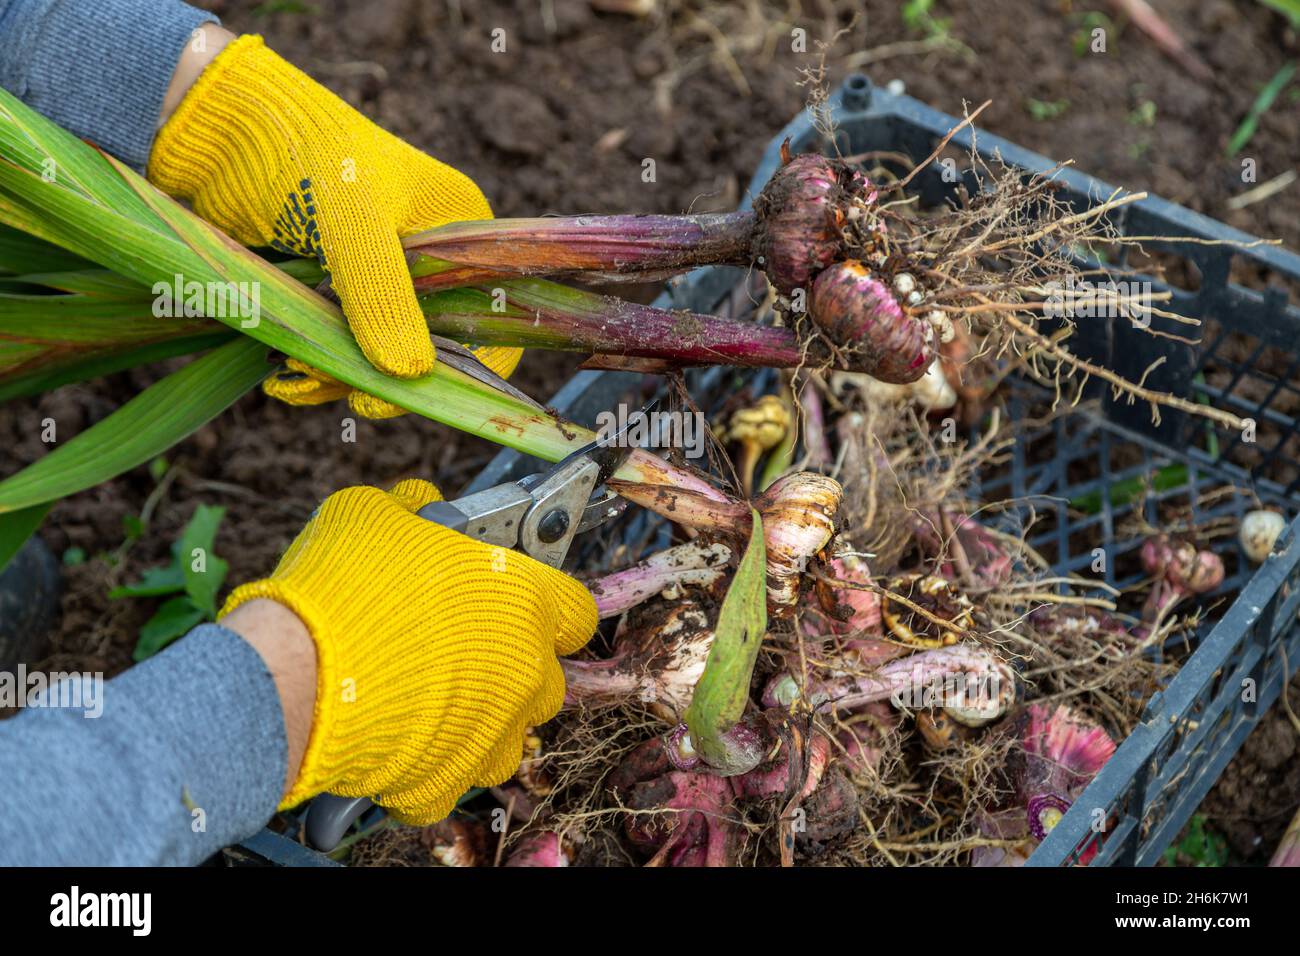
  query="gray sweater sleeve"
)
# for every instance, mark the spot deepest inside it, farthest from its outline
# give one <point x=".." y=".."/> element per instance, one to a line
<point x="99" y="68"/>
<point x="186" y="756"/>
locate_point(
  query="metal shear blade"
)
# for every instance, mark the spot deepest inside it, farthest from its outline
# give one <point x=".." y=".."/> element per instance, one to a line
<point x="541" y="513"/>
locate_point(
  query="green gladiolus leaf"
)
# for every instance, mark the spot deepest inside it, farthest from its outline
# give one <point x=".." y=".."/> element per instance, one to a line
<point x="16" y="527"/>
<point x="722" y="691"/>
<point x="144" y="427"/>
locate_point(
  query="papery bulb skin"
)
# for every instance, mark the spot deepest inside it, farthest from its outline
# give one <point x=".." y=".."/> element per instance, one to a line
<point x="932" y="391"/>
<point x="698" y="831"/>
<point x="776" y="777"/>
<point x="694" y="563"/>
<point x="1259" y="533"/>
<point x="861" y="317"/>
<point x="657" y="662"/>
<point x="1207" y="573"/>
<point x="1181" y="564"/>
<point x="544" y="849"/>
<point x="798" y="514"/>
<point x="804" y="772"/>
<point x="744" y="745"/>
<point x="672" y="674"/>
<point x="986" y="700"/>
<point x="781" y="691"/>
<point x="1156" y="554"/>
<point x="456" y="841"/>
<point x="1180" y="571"/>
<point x="802" y="213"/>
<point x="851" y="610"/>
<point x="898" y="681"/>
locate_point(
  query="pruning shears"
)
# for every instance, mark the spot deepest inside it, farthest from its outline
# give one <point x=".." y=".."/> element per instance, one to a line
<point x="539" y="515"/>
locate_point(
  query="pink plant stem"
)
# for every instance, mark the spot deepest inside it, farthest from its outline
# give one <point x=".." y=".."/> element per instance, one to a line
<point x="534" y="313"/>
<point x="693" y="563"/>
<point x="1165" y="37"/>
<point x="898" y="680"/>
<point x="657" y="473"/>
<point x="693" y="507"/>
<point x="590" y="683"/>
<point x="608" y="248"/>
<point x="1162" y="599"/>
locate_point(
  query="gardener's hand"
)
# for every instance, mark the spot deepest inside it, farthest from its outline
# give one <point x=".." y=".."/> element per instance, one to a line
<point x="273" y="158"/>
<point x="433" y="650"/>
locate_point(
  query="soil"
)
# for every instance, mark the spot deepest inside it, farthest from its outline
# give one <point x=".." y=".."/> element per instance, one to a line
<point x="1259" y="791"/>
<point x="562" y="121"/>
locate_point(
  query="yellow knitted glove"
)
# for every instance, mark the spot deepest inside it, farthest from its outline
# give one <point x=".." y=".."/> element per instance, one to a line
<point x="433" y="650"/>
<point x="274" y="159"/>
<point x="297" y="383"/>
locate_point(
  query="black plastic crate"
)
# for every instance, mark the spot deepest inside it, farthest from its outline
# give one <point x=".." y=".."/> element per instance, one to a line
<point x="1246" y="362"/>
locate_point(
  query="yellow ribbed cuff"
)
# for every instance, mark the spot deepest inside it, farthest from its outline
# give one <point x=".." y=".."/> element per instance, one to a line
<point x="226" y="98"/>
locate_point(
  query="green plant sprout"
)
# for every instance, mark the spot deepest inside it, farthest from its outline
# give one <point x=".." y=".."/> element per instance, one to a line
<point x="1197" y="846"/>
<point x="194" y="577"/>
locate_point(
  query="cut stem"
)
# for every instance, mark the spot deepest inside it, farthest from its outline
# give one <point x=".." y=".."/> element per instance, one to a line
<point x="534" y="313"/>
<point x="904" y="681"/>
<point x="692" y="563"/>
<point x="620" y="248"/>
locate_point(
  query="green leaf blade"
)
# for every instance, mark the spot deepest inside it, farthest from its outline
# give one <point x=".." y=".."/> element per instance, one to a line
<point x="204" y="571"/>
<point x="155" y="582"/>
<point x="722" y="692"/>
<point x="17" y="526"/>
<point x="144" y="427"/>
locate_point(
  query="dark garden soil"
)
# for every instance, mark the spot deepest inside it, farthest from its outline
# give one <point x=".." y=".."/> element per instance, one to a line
<point x="1259" y="791"/>
<point x="561" y="122"/>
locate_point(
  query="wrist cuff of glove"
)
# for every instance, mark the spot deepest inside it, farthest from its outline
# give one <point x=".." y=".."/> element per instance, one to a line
<point x="314" y="775"/>
<point x="230" y="112"/>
